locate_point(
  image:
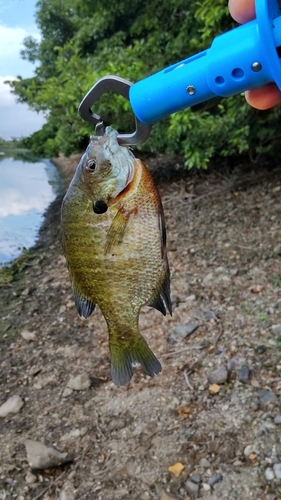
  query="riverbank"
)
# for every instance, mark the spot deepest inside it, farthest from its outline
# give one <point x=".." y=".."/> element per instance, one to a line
<point x="223" y="427"/>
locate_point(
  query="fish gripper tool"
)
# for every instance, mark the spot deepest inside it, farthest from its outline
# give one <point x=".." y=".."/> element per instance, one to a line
<point x="243" y="58"/>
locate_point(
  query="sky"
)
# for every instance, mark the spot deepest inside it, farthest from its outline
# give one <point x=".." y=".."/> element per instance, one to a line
<point x="16" y="22"/>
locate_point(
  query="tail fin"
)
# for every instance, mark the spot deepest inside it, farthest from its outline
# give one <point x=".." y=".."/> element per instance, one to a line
<point x="124" y="357"/>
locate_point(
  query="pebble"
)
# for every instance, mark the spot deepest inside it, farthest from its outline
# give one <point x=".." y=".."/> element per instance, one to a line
<point x="206" y="486"/>
<point x="116" y="424"/>
<point x="192" y="488"/>
<point x="196" y="478"/>
<point x="208" y="278"/>
<point x="27" y="335"/>
<point x="250" y="448"/>
<point x="185" y="330"/>
<point x="67" y="392"/>
<point x="40" y="456"/>
<point x="215" y="479"/>
<point x="67" y="492"/>
<point x="12" y="405"/>
<point x="244" y="374"/>
<point x="269" y="474"/>
<point x="204" y="463"/>
<point x="277" y="419"/>
<point x="214" y="389"/>
<point x="218" y="376"/>
<point x="30" y="478"/>
<point x="276" y="329"/>
<point x="265" y="396"/>
<point x="164" y="496"/>
<point x="191" y="297"/>
<point x="277" y="470"/>
<point x="80" y="382"/>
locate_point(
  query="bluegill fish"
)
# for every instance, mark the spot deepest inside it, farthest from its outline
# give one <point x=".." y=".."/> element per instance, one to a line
<point x="114" y="242"/>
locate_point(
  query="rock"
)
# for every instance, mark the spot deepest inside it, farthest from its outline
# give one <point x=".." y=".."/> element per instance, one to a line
<point x="277" y="470"/>
<point x="276" y="329"/>
<point x="27" y="335"/>
<point x="185" y="330"/>
<point x="40" y="456"/>
<point x="265" y="397"/>
<point x="12" y="405"/>
<point x="30" y="478"/>
<point x="196" y="478"/>
<point x="80" y="382"/>
<point x="215" y="479"/>
<point x="269" y="474"/>
<point x="204" y="463"/>
<point x="218" y="376"/>
<point x="277" y="419"/>
<point x="244" y="374"/>
<point x="192" y="488"/>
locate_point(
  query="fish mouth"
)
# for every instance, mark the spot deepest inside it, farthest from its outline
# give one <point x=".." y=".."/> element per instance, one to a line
<point x="100" y="207"/>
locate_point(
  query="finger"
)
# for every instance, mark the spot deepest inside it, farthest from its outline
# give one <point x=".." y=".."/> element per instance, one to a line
<point x="264" y="97"/>
<point x="242" y="10"/>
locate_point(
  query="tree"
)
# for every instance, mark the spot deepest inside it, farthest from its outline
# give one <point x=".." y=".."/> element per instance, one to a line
<point x="84" y="40"/>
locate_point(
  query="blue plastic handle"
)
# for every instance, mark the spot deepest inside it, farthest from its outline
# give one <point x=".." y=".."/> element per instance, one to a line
<point x="241" y="59"/>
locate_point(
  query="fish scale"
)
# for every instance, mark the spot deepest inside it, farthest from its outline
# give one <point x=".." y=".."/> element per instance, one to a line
<point x="116" y="259"/>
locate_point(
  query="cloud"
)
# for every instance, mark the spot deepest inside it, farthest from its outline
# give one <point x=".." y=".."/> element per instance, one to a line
<point x="11" y="43"/>
<point x="17" y="120"/>
<point x="6" y="97"/>
<point x="31" y="193"/>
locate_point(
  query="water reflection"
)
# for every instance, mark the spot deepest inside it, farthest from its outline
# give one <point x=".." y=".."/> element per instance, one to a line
<point x="26" y="190"/>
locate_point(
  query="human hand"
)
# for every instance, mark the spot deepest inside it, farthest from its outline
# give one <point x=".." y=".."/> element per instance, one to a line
<point x="267" y="96"/>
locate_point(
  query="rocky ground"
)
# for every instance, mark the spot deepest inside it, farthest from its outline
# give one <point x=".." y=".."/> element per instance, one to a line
<point x="209" y="425"/>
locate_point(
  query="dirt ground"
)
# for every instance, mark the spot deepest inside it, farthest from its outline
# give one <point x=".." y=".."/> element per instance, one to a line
<point x="190" y="432"/>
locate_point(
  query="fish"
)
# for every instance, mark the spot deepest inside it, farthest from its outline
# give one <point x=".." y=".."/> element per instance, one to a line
<point x="114" y="242"/>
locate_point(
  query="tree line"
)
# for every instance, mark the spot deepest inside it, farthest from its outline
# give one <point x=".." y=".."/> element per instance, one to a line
<point x="82" y="40"/>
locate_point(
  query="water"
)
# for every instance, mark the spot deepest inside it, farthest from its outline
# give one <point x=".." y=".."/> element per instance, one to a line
<point x="26" y="190"/>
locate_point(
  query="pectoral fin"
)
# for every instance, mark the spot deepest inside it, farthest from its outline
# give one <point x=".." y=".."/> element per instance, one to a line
<point x="84" y="306"/>
<point x="117" y="230"/>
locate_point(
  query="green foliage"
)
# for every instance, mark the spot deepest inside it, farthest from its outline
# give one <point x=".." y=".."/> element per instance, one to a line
<point x="84" y="40"/>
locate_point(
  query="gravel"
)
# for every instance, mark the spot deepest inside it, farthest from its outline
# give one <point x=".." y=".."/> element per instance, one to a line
<point x="123" y="440"/>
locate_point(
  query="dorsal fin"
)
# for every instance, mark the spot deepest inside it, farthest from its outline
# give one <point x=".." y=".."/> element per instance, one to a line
<point x="162" y="300"/>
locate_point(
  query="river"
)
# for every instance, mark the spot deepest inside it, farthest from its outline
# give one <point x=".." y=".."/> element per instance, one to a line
<point x="26" y="190"/>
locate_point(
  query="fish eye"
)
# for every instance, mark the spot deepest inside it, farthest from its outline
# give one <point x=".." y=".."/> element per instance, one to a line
<point x="91" y="165"/>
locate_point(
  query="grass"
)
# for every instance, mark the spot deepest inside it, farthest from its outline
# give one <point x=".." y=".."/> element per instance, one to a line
<point x="275" y="280"/>
<point x="10" y="271"/>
